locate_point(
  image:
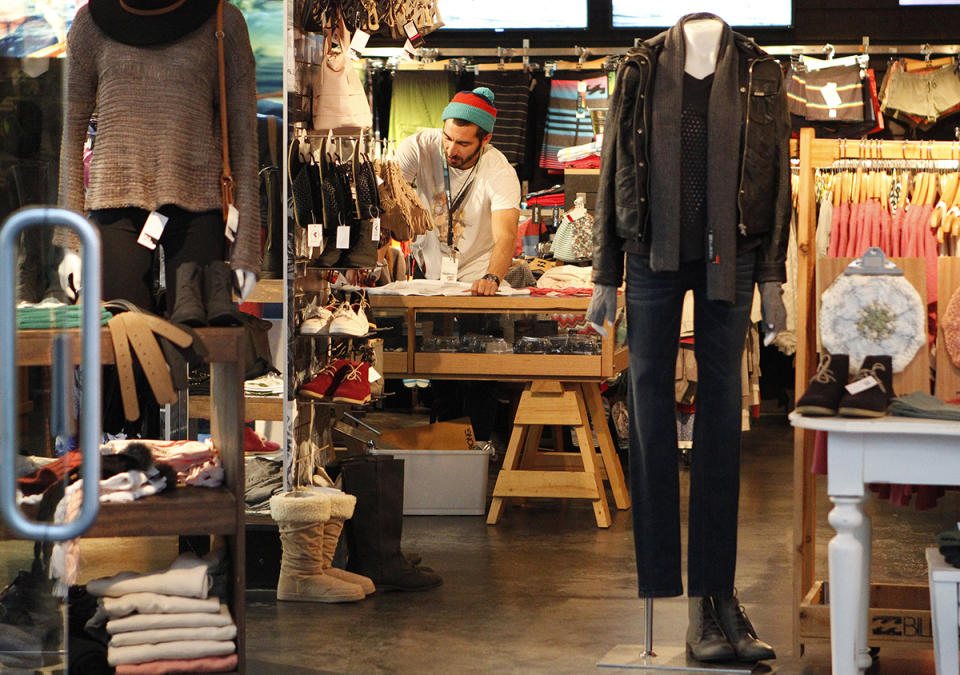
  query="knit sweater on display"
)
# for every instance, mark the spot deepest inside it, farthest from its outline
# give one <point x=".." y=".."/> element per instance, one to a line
<point x="158" y="125"/>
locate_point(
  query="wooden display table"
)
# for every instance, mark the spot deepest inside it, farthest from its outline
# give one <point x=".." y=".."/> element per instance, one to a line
<point x="563" y="390"/>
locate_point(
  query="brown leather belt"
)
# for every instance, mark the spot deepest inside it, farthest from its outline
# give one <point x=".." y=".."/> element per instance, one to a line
<point x="135" y="329"/>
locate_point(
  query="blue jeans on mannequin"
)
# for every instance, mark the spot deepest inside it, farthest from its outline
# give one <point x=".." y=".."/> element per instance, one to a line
<point x="654" y="307"/>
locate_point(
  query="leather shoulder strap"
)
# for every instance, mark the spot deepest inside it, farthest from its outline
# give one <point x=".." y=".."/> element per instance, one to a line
<point x="226" y="177"/>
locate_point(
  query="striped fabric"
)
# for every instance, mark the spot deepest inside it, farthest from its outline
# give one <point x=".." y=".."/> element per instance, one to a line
<point x="828" y="94"/>
<point x="511" y="90"/>
<point x="564" y="129"/>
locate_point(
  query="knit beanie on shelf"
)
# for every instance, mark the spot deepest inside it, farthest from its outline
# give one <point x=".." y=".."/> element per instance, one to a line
<point x="473" y="106"/>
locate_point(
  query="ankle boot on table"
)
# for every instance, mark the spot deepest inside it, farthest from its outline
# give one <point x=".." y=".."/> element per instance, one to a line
<point x="875" y="398"/>
<point x="376" y="529"/>
<point x="341" y="509"/>
<point x="218" y="293"/>
<point x="705" y="639"/>
<point x="739" y="631"/>
<point x="823" y="395"/>
<point x="301" y="517"/>
<point x="188" y="307"/>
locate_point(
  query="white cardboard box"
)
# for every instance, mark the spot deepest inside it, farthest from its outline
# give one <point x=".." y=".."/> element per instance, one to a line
<point x="443" y="482"/>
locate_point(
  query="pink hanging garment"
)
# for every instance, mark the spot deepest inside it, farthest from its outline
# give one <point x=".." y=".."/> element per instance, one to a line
<point x="886" y="230"/>
<point x="931" y="253"/>
<point x="853" y="231"/>
<point x="856" y="232"/>
<point x="896" y="225"/>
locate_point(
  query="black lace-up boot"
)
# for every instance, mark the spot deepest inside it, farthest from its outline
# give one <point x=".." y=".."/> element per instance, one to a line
<point x="188" y="307"/>
<point x="705" y="639"/>
<point x="876" y="379"/>
<point x="739" y="631"/>
<point x="823" y="395"/>
<point x="218" y="293"/>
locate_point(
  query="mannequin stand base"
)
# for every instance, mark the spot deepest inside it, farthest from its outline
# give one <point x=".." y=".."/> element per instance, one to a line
<point x="671" y="658"/>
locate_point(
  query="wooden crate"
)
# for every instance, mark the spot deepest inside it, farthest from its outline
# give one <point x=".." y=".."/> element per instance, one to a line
<point x="899" y="615"/>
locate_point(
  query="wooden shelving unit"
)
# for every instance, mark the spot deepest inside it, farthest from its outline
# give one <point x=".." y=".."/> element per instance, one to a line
<point x="269" y="408"/>
<point x="188" y="510"/>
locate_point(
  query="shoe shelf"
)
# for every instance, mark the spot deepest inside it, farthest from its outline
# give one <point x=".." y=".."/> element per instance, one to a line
<point x="183" y="511"/>
<point x="346" y="336"/>
<point x="513" y="315"/>
<point x="267" y="290"/>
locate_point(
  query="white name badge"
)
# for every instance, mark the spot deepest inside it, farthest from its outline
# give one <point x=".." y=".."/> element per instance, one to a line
<point x="152" y="230"/>
<point x="449" y="267"/>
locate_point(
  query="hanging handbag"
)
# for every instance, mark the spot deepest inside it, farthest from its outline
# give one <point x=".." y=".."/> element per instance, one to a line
<point x="574" y="239"/>
<point x="339" y="101"/>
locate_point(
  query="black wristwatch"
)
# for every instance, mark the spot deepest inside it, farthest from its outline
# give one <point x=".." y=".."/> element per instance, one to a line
<point x="491" y="277"/>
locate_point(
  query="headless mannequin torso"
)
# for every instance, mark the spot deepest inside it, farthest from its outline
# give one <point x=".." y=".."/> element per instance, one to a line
<point x="702" y="45"/>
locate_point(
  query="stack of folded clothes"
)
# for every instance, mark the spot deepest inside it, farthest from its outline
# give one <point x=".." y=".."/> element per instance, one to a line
<point x="165" y="622"/>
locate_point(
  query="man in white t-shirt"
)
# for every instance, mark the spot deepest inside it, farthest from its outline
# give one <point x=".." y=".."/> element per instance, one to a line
<point x="456" y="166"/>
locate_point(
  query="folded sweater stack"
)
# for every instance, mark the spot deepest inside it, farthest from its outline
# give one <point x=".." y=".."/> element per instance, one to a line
<point x="165" y="622"/>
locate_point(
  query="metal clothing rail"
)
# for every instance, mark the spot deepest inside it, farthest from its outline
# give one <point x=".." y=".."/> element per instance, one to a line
<point x="865" y="47"/>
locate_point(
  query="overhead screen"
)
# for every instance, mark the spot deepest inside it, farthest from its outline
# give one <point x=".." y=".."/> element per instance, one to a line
<point x="506" y="14"/>
<point x="907" y="3"/>
<point x="751" y="13"/>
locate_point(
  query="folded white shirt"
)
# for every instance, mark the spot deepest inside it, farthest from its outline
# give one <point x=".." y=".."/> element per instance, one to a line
<point x="154" y="621"/>
<point x="187" y="577"/>
<point x="159" y="635"/>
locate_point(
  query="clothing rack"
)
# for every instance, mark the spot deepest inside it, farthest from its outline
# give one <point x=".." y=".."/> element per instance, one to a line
<point x="816" y="154"/>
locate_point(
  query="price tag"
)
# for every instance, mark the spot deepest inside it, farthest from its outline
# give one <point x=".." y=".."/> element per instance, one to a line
<point x="343" y="236"/>
<point x="830" y="95"/>
<point x="374" y="375"/>
<point x="864" y="383"/>
<point x="410" y="49"/>
<point x="314" y="234"/>
<point x="152" y="230"/>
<point x="359" y="43"/>
<point x="233" y="221"/>
<point x="576" y="214"/>
<point x="375" y="234"/>
<point x="413" y="34"/>
<point x="449" y="267"/>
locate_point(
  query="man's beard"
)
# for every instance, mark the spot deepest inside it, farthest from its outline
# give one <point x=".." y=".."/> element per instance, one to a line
<point x="467" y="161"/>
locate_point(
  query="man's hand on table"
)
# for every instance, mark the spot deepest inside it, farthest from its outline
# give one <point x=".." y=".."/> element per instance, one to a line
<point x="485" y="286"/>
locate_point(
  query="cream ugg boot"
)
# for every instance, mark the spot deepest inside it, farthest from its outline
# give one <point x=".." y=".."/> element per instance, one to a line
<point x="301" y="517"/>
<point x="341" y="509"/>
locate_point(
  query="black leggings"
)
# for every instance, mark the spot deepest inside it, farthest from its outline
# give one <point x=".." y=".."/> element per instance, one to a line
<point x="128" y="267"/>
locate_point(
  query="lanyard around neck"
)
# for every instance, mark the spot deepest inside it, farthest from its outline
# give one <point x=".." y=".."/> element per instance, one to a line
<point x="454" y="204"/>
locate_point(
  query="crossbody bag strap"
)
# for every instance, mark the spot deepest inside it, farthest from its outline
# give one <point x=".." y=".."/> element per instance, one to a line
<point x="226" y="175"/>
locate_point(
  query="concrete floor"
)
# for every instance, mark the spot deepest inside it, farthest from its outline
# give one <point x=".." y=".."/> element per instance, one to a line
<point x="547" y="591"/>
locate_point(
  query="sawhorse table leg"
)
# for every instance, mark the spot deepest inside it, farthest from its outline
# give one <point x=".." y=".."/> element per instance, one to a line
<point x="527" y="472"/>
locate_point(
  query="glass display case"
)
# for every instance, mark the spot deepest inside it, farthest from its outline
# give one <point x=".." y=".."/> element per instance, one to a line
<point x="502" y="338"/>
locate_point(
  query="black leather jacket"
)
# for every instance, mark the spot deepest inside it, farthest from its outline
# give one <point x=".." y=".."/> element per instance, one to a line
<point x="764" y="201"/>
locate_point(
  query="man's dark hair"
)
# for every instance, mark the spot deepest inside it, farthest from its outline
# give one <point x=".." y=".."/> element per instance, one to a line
<point x="481" y="133"/>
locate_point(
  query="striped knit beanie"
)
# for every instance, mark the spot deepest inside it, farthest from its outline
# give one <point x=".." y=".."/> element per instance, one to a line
<point x="473" y="106"/>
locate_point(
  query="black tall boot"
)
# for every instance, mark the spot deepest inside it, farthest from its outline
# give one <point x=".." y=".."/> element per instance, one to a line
<point x="218" y="293"/>
<point x="188" y="309"/>
<point x="739" y="631"/>
<point x="375" y="531"/>
<point x="362" y="253"/>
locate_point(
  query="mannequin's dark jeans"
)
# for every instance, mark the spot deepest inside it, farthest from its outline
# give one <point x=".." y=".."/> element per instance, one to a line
<point x="654" y="306"/>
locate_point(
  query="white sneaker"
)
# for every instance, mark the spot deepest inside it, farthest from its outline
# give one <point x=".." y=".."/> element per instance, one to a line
<point x="347" y="321"/>
<point x="318" y="324"/>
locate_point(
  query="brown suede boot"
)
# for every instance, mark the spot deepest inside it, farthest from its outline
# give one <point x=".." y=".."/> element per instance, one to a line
<point x="301" y="517"/>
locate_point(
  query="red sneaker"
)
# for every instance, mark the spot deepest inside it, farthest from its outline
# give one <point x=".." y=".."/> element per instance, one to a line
<point x="355" y="385"/>
<point x="317" y="387"/>
<point x="254" y="442"/>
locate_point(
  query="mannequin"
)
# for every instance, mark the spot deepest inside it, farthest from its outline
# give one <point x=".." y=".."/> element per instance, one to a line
<point x="115" y="50"/>
<point x="693" y="221"/>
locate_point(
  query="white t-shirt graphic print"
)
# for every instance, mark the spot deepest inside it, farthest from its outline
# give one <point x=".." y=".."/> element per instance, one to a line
<point x="495" y="187"/>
